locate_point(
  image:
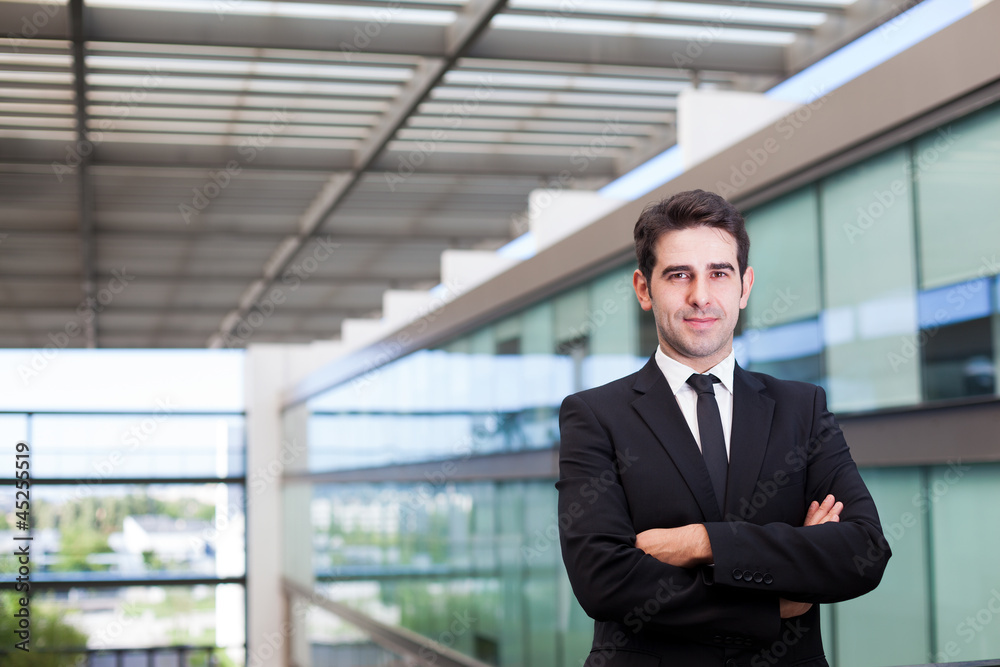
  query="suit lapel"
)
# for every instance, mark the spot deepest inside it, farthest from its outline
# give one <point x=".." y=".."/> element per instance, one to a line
<point x="658" y="408"/>
<point x="752" y="413"/>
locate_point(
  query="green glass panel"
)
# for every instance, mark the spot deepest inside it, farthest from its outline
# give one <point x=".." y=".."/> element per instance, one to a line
<point x="571" y="314"/>
<point x="957" y="169"/>
<point x="482" y="341"/>
<point x="870" y="320"/>
<point x="537" y="335"/>
<point x="611" y="321"/>
<point x="784" y="253"/>
<point x="890" y="625"/>
<point x="966" y="540"/>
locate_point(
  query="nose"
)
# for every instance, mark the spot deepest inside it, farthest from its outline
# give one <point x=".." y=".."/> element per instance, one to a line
<point x="699" y="296"/>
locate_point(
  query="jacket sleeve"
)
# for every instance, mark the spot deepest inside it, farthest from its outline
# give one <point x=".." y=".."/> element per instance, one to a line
<point x="615" y="581"/>
<point x="819" y="564"/>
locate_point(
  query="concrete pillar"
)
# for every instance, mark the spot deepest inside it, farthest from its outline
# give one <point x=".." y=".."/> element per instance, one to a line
<point x="279" y="529"/>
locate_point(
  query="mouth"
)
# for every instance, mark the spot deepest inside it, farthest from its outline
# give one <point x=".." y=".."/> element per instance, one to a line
<point x="700" y="322"/>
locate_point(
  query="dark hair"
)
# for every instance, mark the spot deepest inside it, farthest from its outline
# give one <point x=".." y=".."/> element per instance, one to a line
<point x="694" y="208"/>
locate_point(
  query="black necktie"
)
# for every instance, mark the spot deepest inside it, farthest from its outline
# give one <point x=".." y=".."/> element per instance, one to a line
<point x="713" y="440"/>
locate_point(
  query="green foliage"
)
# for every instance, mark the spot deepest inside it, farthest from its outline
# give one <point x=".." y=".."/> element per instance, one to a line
<point x="48" y="631"/>
<point x="75" y="544"/>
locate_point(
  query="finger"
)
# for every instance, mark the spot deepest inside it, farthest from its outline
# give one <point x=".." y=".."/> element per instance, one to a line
<point x="811" y="513"/>
<point x="834" y="513"/>
<point x="827" y="504"/>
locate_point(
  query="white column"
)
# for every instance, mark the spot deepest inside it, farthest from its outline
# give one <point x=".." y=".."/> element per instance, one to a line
<point x="710" y="120"/>
<point x="298" y="530"/>
<point x="267" y="638"/>
<point x="279" y="529"/>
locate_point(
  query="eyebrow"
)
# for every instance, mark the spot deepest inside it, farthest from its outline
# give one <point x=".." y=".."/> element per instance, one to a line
<point x="717" y="266"/>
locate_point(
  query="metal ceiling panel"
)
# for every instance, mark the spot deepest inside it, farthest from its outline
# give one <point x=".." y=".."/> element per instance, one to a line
<point x="209" y="154"/>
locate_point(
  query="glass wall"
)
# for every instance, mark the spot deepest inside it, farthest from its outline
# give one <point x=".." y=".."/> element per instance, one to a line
<point x="879" y="282"/>
<point x="134" y="504"/>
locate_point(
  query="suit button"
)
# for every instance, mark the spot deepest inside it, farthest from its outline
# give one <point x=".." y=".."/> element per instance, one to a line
<point x="717" y="639"/>
<point x="748" y="576"/>
<point x="758" y="577"/>
<point x="768" y="579"/>
<point x="737" y="574"/>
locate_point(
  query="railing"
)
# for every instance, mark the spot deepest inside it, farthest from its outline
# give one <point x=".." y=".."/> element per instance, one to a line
<point x="412" y="647"/>
<point x="159" y="656"/>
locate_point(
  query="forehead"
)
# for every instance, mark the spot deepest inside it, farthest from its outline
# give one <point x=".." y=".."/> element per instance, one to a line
<point x="695" y="246"/>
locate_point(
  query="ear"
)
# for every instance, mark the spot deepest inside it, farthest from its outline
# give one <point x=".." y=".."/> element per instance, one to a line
<point x="747" y="284"/>
<point x="641" y="288"/>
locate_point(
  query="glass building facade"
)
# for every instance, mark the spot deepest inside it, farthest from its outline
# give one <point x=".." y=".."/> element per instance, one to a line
<point x="879" y="282"/>
<point x="135" y="499"/>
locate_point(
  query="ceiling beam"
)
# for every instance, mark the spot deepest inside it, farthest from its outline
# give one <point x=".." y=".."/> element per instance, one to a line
<point x="85" y="192"/>
<point x="223" y="235"/>
<point x="856" y="20"/>
<point x="386" y="282"/>
<point x="472" y="21"/>
<point x="396" y="38"/>
<point x="556" y="15"/>
<point x="179" y="309"/>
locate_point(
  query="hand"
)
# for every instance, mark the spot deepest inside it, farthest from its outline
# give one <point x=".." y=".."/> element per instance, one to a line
<point x="790" y="609"/>
<point x="686" y="546"/>
<point x="829" y="510"/>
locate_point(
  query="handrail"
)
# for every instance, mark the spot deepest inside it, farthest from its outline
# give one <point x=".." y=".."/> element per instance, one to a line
<point x="398" y="640"/>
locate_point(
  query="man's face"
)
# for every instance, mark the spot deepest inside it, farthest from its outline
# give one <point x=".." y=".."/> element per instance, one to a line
<point x="696" y="294"/>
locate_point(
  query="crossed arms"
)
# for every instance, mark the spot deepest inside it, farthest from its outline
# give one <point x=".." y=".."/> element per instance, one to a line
<point x="689" y="546"/>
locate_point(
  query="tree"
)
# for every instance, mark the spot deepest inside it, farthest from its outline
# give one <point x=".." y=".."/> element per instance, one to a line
<point x="48" y="632"/>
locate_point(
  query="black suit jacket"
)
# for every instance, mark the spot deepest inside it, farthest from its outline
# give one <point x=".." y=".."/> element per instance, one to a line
<point x="628" y="462"/>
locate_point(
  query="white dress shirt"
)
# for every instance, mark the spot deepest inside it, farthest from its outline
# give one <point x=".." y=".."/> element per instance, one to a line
<point x="677" y="375"/>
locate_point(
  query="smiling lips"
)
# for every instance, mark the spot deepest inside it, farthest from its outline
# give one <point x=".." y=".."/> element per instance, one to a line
<point x="700" y="322"/>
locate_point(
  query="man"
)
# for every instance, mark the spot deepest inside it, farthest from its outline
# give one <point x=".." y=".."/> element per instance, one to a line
<point x="704" y="510"/>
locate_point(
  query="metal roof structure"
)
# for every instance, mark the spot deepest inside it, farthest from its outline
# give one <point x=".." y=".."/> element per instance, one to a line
<point x="170" y="167"/>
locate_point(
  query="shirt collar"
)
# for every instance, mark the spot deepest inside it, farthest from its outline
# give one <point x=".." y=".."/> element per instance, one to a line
<point x="677" y="374"/>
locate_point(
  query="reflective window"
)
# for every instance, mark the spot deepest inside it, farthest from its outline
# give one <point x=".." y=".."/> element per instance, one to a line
<point x="957" y="168"/>
<point x="869" y="267"/>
